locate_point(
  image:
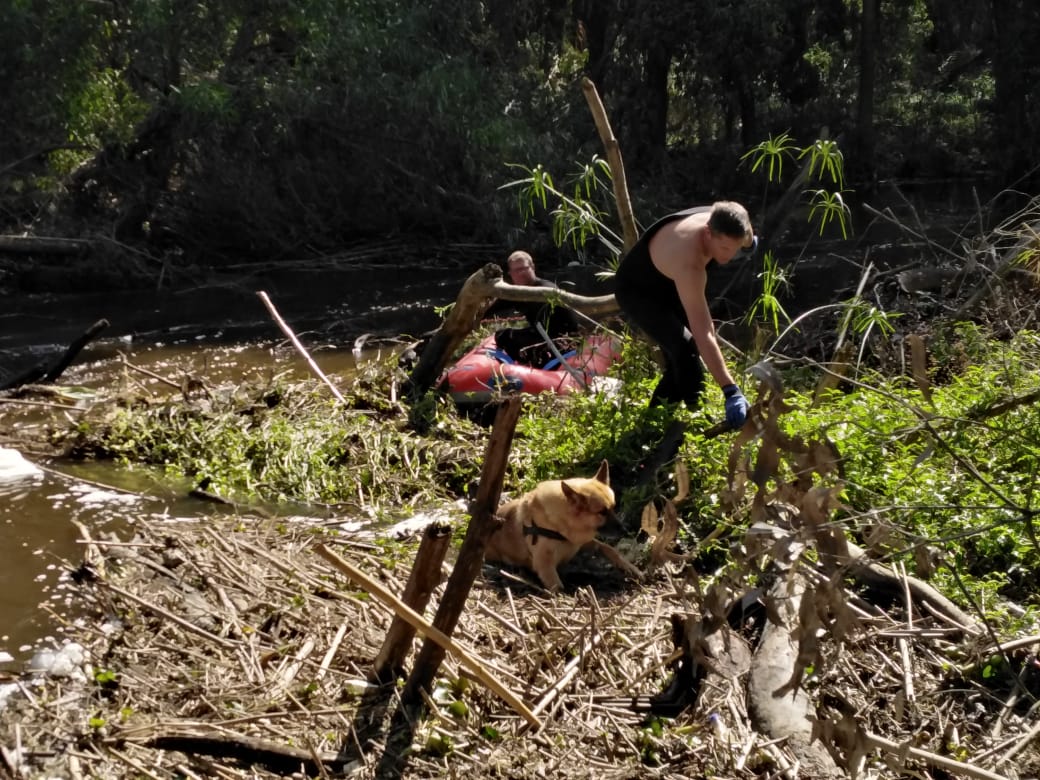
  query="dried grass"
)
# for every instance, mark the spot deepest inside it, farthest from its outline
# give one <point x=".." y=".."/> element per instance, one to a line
<point x="239" y="653"/>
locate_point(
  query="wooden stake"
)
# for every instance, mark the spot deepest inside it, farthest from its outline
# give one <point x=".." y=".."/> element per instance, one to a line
<point x="483" y="522"/>
<point x="425" y="576"/>
<point x="617" y="168"/>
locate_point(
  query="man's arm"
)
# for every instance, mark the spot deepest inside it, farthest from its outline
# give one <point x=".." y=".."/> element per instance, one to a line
<point x="691" y="286"/>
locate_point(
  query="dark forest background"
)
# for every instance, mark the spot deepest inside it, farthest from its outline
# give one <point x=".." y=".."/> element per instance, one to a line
<point x="179" y="132"/>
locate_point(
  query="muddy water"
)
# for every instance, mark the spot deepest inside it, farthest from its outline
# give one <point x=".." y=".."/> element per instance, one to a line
<point x="45" y="506"/>
<point x="218" y="333"/>
<point x="38" y="516"/>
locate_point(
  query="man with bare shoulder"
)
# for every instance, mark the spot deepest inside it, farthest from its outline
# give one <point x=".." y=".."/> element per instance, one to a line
<point x="660" y="286"/>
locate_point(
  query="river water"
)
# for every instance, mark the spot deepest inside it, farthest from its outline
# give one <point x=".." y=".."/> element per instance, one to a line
<point x="218" y="332"/>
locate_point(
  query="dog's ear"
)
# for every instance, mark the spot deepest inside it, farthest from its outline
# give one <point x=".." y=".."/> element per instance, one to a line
<point x="603" y="475"/>
<point x="569" y="493"/>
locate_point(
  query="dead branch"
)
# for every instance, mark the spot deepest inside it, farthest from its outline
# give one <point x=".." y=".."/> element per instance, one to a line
<point x="41" y="245"/>
<point x="40" y="373"/>
<point x="1004" y="266"/>
<point x="388" y="599"/>
<point x="299" y="347"/>
<point x="1003" y="407"/>
<point x="617" y="167"/>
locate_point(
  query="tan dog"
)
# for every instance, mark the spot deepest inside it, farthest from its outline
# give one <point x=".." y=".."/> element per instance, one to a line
<point x="547" y="526"/>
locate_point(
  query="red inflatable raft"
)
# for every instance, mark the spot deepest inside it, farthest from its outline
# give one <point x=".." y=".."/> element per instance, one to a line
<point x="485" y="370"/>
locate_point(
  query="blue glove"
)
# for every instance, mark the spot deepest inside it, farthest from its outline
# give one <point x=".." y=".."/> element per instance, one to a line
<point x="736" y="406"/>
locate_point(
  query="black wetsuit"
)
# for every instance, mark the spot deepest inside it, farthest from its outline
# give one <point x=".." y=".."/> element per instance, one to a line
<point x="650" y="300"/>
<point x="525" y="345"/>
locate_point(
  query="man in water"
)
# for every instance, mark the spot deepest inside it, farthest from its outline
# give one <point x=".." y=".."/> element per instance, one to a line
<point x="526" y="345"/>
<point x="660" y="286"/>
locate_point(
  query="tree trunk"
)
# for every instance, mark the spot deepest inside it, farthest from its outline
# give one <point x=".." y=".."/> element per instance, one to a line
<point x="868" y="30"/>
<point x="1016" y="69"/>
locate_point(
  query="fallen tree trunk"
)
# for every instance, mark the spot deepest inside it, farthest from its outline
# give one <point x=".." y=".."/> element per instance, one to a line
<point x="41" y="373"/>
<point x="778" y="709"/>
<point x="26" y="245"/>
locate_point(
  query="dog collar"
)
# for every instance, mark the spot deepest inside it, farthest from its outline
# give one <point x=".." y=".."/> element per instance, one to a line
<point x="536" y="531"/>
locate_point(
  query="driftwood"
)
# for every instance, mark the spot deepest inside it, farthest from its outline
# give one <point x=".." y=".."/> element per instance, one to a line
<point x="715" y="665"/>
<point x="473" y="300"/>
<point x="777" y="709"/>
<point x="224" y="743"/>
<point x="41" y="373"/>
<point x="876" y="575"/>
<point x="40" y="245"/>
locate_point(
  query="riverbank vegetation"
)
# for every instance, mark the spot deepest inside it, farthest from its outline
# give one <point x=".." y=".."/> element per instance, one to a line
<point x="884" y="491"/>
<point x="845" y="587"/>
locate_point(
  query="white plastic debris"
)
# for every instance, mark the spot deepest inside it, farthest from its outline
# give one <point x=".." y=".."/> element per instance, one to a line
<point x="66" y="662"/>
<point x="14" y="467"/>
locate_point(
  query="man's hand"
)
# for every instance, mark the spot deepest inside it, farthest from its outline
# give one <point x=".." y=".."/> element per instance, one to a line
<point x="736" y="406"/>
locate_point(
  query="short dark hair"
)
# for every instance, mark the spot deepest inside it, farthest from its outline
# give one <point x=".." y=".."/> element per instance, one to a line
<point x="729" y="218"/>
<point x="519" y="256"/>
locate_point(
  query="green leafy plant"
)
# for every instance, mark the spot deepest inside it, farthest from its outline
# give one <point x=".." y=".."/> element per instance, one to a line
<point x="105" y="677"/>
<point x="770" y="154"/>
<point x="767" y="306"/>
<point x="829" y="207"/>
<point x="824" y="161"/>
<point x="825" y="157"/>
<point x="576" y="216"/>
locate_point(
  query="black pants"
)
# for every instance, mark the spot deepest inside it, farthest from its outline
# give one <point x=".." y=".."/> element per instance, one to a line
<point x="524" y="345"/>
<point x="683" y="377"/>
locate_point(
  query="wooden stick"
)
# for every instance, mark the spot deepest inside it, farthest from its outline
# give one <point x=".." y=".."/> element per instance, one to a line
<point x="299" y="347"/>
<point x="289" y="671"/>
<point x="148" y="373"/>
<point x="1020" y="744"/>
<point x="617" y="167"/>
<point x="483" y="522"/>
<point x="326" y="662"/>
<point x="956" y="767"/>
<point x="425" y="576"/>
<point x="44" y="404"/>
<point x="420" y="624"/>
